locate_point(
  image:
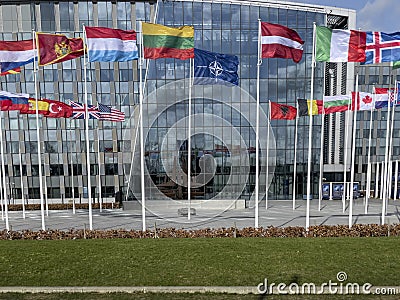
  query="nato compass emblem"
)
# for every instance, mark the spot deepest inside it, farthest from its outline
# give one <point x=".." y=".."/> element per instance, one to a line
<point x="215" y="69"/>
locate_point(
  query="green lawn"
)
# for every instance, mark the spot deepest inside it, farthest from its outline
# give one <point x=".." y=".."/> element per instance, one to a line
<point x="197" y="262"/>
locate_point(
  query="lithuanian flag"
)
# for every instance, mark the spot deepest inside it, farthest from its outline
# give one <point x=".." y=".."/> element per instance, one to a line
<point x="167" y="42"/>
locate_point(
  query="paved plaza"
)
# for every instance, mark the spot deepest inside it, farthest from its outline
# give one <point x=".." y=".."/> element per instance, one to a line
<point x="280" y="213"/>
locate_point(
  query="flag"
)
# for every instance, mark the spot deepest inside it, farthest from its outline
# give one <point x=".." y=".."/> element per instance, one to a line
<point x="215" y="68"/>
<point x="382" y="47"/>
<point x="339" y="45"/>
<point x="107" y="113"/>
<point x="43" y="107"/>
<point x="56" y="48"/>
<point x="338" y="103"/>
<point x="280" y="41"/>
<point x="13" y="101"/>
<point x="365" y="101"/>
<point x="58" y="109"/>
<point x="14" y="54"/>
<point x="310" y="107"/>
<point x="282" y="111"/>
<point x="396" y="65"/>
<point x="107" y="44"/>
<point x="79" y="111"/>
<point x="12" y="71"/>
<point x="381" y="96"/>
<point x="162" y="42"/>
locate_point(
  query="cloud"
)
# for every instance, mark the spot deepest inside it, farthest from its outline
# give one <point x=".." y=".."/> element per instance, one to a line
<point x="379" y="15"/>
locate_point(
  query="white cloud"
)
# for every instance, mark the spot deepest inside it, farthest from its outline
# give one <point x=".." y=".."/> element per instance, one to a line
<point x="379" y="15"/>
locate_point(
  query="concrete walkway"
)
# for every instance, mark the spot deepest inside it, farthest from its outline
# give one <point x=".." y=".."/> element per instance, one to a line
<point x="279" y="214"/>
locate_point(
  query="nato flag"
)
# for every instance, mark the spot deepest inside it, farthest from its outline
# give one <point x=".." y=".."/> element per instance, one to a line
<point x="215" y="68"/>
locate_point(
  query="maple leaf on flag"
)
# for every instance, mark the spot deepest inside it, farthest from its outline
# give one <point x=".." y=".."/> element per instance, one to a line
<point x="367" y="99"/>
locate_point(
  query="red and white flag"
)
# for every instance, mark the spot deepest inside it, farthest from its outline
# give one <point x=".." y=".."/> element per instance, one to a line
<point x="365" y="101"/>
<point x="281" y="42"/>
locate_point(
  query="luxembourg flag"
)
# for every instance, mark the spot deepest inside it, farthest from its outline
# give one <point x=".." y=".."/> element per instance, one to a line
<point x="14" y="54"/>
<point x="107" y="44"/>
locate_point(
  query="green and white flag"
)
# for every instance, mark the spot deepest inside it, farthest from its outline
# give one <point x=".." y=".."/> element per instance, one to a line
<point x="338" y="103"/>
<point x="338" y="45"/>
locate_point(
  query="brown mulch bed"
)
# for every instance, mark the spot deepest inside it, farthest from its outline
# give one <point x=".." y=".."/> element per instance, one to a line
<point x="358" y="230"/>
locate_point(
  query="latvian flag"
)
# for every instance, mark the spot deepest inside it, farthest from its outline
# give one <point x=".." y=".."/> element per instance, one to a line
<point x="281" y="42"/>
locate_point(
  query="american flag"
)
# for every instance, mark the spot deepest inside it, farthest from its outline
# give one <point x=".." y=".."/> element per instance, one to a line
<point x="78" y="111"/>
<point x="110" y="114"/>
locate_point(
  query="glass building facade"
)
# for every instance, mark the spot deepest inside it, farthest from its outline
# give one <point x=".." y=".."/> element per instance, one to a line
<point x="223" y="131"/>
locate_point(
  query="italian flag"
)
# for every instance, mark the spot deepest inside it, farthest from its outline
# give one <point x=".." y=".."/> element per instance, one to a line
<point x="167" y="42"/>
<point x="339" y="45"/>
<point x="338" y="103"/>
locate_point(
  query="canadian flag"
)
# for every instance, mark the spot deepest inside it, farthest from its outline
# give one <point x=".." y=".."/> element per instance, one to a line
<point x="365" y="101"/>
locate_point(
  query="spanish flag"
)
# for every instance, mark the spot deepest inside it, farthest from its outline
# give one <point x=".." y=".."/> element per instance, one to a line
<point x="167" y="42"/>
<point x="56" y="48"/>
<point x="43" y="107"/>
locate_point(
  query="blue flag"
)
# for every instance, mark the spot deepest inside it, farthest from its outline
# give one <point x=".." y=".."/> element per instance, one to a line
<point x="215" y="68"/>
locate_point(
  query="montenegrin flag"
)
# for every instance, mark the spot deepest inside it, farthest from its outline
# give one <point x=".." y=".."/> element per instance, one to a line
<point x="167" y="42"/>
<point x="56" y="48"/>
<point x="339" y="45"/>
<point x="107" y="44"/>
<point x="281" y="42"/>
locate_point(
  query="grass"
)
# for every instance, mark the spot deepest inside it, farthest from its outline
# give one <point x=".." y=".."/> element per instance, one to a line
<point x="197" y="262"/>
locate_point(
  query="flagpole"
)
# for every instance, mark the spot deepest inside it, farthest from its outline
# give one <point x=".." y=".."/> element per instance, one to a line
<point x="321" y="161"/>
<point x="368" y="187"/>
<point x="35" y="70"/>
<point x="89" y="188"/>
<point x="3" y="169"/>
<point x="189" y="144"/>
<point x="391" y="135"/>
<point x="256" y="187"/>
<point x="72" y="170"/>
<point x="141" y="134"/>
<point x="386" y="164"/>
<point x="346" y="134"/>
<point x="99" y="168"/>
<point x="20" y="171"/>
<point x="353" y="153"/>
<point x="267" y="164"/>
<point x="310" y="133"/>
<point x="396" y="176"/>
<point x="377" y="181"/>
<point x="295" y="159"/>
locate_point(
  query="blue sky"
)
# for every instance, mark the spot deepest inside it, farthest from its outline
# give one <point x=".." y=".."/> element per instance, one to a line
<point x="372" y="15"/>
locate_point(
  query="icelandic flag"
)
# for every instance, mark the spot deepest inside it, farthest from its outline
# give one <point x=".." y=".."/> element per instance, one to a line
<point x="14" y="54"/>
<point x="215" y="68"/>
<point x="382" y="47"/>
<point x="107" y="44"/>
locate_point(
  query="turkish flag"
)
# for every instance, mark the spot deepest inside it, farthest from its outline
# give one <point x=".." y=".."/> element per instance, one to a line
<point x="58" y="109"/>
<point x="56" y="48"/>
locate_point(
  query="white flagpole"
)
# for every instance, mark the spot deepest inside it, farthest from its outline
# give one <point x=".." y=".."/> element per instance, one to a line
<point x="295" y="159"/>
<point x="72" y="170"/>
<point x="346" y="134"/>
<point x="377" y="181"/>
<point x="353" y="154"/>
<point x="386" y="165"/>
<point x="256" y="187"/>
<point x="189" y="143"/>
<point x="1" y="196"/>
<point x="99" y="168"/>
<point x="310" y="134"/>
<point x="391" y="137"/>
<point x="35" y="70"/>
<point x="20" y="172"/>
<point x="3" y="169"/>
<point x="267" y="165"/>
<point x="382" y="179"/>
<point x="321" y="161"/>
<point x="89" y="187"/>
<point x="369" y="167"/>
<point x="141" y="134"/>
<point x="396" y="176"/>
